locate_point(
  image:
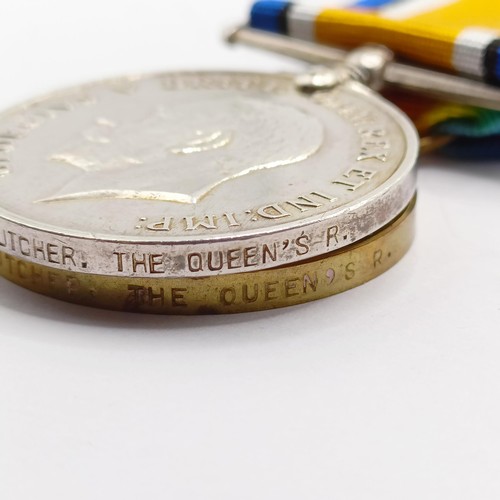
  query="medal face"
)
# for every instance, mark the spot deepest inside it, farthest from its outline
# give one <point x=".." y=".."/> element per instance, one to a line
<point x="199" y="174"/>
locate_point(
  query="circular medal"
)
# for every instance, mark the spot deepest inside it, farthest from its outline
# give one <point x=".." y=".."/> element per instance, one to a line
<point x="199" y="174"/>
<point x="234" y="293"/>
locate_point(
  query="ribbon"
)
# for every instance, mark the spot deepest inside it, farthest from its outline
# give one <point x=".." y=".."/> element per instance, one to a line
<point x="454" y="36"/>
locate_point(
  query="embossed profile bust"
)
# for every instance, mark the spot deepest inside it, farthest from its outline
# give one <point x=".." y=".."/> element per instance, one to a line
<point x="187" y="146"/>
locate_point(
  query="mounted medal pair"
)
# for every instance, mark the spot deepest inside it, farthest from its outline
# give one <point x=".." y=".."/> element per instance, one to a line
<point x="198" y="193"/>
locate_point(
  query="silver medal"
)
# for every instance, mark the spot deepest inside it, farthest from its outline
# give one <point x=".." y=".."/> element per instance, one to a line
<point x="199" y="174"/>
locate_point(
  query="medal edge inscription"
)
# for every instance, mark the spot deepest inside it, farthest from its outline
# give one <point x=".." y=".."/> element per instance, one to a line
<point x="260" y="290"/>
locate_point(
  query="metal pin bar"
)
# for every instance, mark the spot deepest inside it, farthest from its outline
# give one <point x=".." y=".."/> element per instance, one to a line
<point x="403" y="76"/>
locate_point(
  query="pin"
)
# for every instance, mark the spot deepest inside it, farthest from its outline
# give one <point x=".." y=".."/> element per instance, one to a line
<point x="392" y="74"/>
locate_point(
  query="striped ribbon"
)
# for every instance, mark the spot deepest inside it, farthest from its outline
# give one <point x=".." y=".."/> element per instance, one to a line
<point x="459" y="36"/>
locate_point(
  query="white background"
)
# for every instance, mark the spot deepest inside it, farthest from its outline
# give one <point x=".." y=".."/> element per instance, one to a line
<point x="389" y="391"/>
